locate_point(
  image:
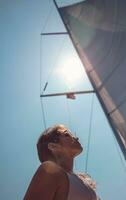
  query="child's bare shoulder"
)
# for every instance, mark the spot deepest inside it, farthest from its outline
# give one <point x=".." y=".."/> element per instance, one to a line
<point x="51" y="168"/>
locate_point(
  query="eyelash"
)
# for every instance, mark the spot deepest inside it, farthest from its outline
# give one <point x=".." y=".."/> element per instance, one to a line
<point x="67" y="135"/>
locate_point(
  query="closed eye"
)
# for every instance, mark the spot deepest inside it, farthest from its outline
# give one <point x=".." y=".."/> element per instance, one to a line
<point x="67" y="135"/>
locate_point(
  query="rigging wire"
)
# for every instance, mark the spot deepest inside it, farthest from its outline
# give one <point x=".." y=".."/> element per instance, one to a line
<point x="46" y="84"/>
<point x="41" y="100"/>
<point x="40" y="62"/>
<point x="41" y="68"/>
<point x="43" y="114"/>
<point x="49" y="76"/>
<point x="70" y="124"/>
<point x="68" y="108"/>
<point x="48" y="17"/>
<point x="69" y="114"/>
<point x="55" y="62"/>
<point x="43" y="28"/>
<point x="89" y="135"/>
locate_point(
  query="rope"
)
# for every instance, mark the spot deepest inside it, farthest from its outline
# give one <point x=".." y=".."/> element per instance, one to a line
<point x="89" y="135"/>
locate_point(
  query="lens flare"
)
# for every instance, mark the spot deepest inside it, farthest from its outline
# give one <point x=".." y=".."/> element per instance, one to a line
<point x="71" y="71"/>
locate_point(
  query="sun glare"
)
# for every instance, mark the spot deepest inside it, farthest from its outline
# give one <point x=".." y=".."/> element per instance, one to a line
<point x="71" y="71"/>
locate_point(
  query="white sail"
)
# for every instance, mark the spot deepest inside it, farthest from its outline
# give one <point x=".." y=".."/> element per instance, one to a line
<point x="98" y="31"/>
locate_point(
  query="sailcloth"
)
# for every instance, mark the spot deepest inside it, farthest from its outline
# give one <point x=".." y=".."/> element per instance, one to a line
<point x="98" y="31"/>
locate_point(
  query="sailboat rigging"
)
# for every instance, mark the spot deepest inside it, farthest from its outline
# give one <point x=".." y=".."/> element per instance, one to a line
<point x="67" y="12"/>
<point x="72" y="94"/>
<point x="90" y="25"/>
<point x="88" y="37"/>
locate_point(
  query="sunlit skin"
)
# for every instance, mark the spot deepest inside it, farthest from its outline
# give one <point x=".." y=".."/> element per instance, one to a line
<point x="50" y="182"/>
<point x="65" y="151"/>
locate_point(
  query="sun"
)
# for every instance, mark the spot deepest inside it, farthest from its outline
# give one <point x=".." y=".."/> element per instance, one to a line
<point x="71" y="71"/>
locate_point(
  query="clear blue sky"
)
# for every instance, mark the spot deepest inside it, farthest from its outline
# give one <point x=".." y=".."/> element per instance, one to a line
<point x="21" y="116"/>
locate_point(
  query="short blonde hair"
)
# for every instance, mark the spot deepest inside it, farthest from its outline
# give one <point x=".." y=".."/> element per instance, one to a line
<point x="49" y="135"/>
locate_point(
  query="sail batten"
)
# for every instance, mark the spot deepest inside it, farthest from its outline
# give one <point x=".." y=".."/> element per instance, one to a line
<point x="98" y="31"/>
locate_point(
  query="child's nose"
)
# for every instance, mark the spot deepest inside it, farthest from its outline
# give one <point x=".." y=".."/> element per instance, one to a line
<point x="76" y="138"/>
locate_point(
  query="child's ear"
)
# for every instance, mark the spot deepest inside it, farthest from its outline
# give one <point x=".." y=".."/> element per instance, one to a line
<point x="52" y="146"/>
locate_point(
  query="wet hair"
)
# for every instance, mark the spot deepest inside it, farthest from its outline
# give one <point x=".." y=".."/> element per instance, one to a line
<point x="49" y="135"/>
